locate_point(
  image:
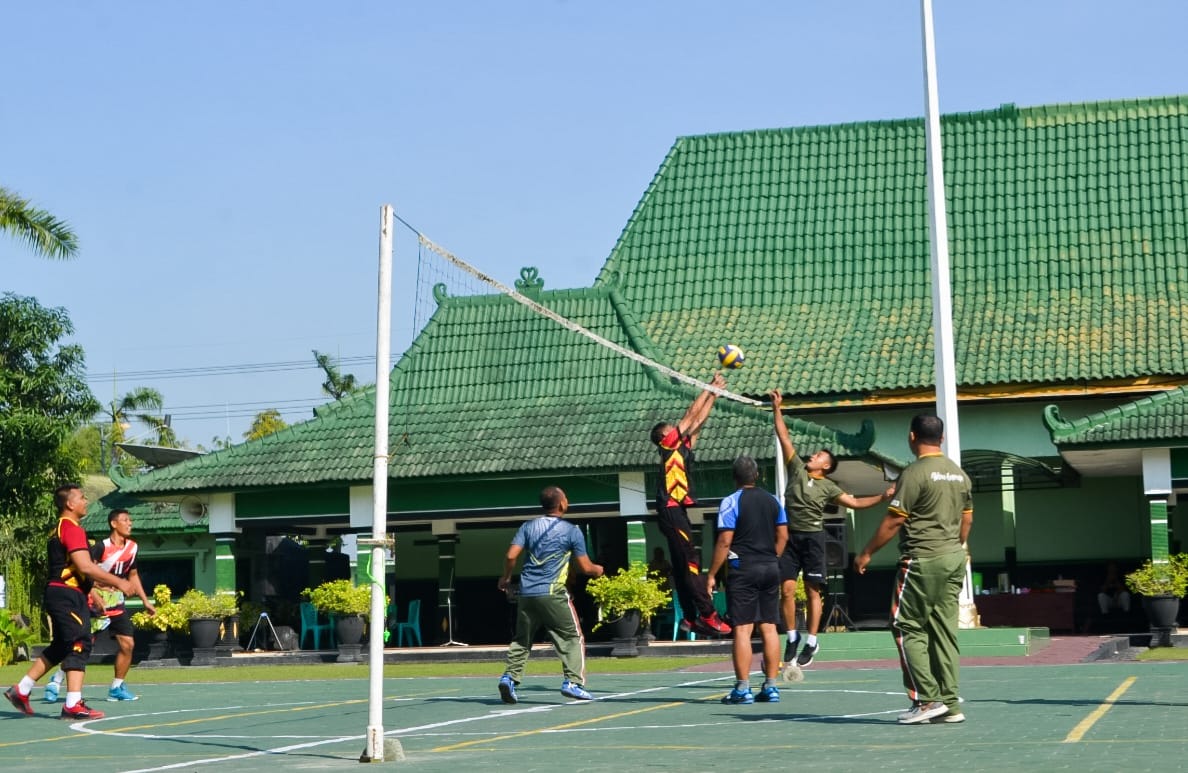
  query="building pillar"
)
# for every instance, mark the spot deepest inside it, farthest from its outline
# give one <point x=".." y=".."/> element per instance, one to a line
<point x="633" y="503"/>
<point x="225" y="564"/>
<point x="1157" y="510"/>
<point x="1157" y="487"/>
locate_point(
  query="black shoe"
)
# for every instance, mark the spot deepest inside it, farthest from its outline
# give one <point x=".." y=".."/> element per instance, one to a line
<point x="805" y="658"/>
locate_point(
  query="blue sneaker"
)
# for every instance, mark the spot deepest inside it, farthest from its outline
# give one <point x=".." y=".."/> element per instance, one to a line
<point x="575" y="691"/>
<point x="770" y="694"/>
<point x="120" y="693"/>
<point x="507" y="690"/>
<point x="739" y="697"/>
<point x="51" y="692"/>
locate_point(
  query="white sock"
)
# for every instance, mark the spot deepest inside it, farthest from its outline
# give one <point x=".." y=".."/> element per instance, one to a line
<point x="72" y="699"/>
<point x="811" y="640"/>
<point x="115" y="683"/>
<point x="25" y="686"/>
<point x="58" y="677"/>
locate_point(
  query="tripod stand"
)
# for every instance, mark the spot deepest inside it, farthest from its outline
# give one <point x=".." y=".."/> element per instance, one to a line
<point x="838" y="614"/>
<point x="263" y="618"/>
<point x="450" y="622"/>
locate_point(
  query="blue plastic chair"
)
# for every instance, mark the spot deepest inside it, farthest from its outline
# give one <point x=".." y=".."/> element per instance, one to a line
<point x="411" y="626"/>
<point x="310" y="625"/>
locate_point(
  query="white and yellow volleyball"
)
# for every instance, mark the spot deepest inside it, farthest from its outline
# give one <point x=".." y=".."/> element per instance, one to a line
<point x="730" y="356"/>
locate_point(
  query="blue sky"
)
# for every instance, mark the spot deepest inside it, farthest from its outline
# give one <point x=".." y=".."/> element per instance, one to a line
<point x="224" y="163"/>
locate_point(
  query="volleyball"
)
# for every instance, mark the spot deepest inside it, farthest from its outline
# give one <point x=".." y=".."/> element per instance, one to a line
<point x="730" y="356"/>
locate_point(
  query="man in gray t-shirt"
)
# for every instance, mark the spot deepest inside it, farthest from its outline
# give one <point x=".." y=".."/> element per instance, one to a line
<point x="549" y="544"/>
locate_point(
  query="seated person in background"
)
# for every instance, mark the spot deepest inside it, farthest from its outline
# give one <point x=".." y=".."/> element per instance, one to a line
<point x="660" y="566"/>
<point x="1113" y="594"/>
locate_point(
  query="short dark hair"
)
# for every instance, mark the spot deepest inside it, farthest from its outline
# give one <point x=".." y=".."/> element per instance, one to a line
<point x="114" y="514"/>
<point x="928" y="428"/>
<point x="659" y="431"/>
<point x="550" y="498"/>
<point x="832" y="461"/>
<point x="62" y="493"/>
<point x="746" y="471"/>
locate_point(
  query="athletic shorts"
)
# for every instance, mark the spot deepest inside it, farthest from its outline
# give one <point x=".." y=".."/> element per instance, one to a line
<point x="71" y="617"/>
<point x="805" y="552"/>
<point x="753" y="594"/>
<point x="121" y="624"/>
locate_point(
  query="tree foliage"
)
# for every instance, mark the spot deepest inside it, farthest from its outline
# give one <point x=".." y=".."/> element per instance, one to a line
<point x="265" y="423"/>
<point x="336" y="384"/>
<point x="45" y="234"/>
<point x="43" y="398"/>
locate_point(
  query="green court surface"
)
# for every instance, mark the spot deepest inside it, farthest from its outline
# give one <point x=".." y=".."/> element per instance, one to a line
<point x="1101" y="716"/>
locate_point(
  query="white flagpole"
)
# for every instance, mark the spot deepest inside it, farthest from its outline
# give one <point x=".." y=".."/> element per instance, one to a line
<point x="942" y="302"/>
<point x="942" y="293"/>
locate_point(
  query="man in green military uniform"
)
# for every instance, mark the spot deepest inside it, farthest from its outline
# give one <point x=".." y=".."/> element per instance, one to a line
<point x="932" y="512"/>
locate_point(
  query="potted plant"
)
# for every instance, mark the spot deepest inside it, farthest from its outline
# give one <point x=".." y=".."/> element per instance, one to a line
<point x="204" y="613"/>
<point x="169" y="618"/>
<point x="632" y="596"/>
<point x="347" y="602"/>
<point x="1162" y="584"/>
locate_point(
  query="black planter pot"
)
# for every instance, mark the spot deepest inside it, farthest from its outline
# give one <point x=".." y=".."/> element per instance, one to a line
<point x="349" y="629"/>
<point x="158" y="646"/>
<point x="623" y="631"/>
<point x="205" y="632"/>
<point x="1161" y="611"/>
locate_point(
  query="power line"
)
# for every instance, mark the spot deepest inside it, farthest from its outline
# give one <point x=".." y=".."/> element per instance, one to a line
<point x="228" y="370"/>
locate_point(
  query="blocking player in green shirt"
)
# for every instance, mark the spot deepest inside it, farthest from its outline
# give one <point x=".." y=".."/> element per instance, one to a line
<point x="807" y="495"/>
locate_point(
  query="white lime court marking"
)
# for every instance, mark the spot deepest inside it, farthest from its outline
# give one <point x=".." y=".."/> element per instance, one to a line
<point x="1083" y="726"/>
<point x="429" y="728"/>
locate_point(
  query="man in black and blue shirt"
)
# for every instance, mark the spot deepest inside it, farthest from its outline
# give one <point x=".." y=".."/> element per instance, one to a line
<point x="752" y="531"/>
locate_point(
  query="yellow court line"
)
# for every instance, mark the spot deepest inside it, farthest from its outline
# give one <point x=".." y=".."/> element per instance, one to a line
<point x="566" y="726"/>
<point x="1099" y="712"/>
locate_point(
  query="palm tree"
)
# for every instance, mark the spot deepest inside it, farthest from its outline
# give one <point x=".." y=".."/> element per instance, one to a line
<point x="46" y="234"/>
<point x="120" y="411"/>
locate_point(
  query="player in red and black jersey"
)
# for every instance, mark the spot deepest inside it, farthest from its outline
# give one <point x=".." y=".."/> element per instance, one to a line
<point x="673" y="498"/>
<point x="71" y="573"/>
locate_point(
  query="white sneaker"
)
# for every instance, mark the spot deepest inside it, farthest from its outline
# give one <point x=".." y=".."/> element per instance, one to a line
<point x="952" y="718"/>
<point x="922" y="713"/>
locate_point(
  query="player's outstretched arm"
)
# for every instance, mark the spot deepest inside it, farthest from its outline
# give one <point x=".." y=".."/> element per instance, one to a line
<point x="780" y="427"/>
<point x="690" y="423"/>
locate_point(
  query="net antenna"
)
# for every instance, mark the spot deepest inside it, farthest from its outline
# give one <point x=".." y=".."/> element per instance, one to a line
<point x="569" y="324"/>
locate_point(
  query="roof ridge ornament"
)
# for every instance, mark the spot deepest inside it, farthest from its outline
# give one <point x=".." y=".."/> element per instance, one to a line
<point x="529" y="282"/>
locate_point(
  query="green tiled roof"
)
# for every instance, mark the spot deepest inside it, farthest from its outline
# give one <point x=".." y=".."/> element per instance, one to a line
<point x="491" y="388"/>
<point x="809" y="247"/>
<point x="147" y="517"/>
<point x="1159" y="418"/>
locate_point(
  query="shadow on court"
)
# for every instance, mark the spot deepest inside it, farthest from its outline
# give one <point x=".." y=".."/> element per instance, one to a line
<point x="1102" y="716"/>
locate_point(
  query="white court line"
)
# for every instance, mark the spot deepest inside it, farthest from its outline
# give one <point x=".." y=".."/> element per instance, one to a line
<point x="416" y="730"/>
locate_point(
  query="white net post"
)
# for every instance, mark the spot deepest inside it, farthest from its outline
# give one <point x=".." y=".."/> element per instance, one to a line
<point x="379" y="497"/>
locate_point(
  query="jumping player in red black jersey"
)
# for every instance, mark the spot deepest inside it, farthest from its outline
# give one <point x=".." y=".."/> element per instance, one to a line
<point x="71" y="573"/>
<point x="673" y="498"/>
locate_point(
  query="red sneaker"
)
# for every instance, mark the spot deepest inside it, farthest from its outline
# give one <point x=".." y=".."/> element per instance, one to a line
<point x="711" y="624"/>
<point x="81" y="711"/>
<point x="21" y="702"/>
